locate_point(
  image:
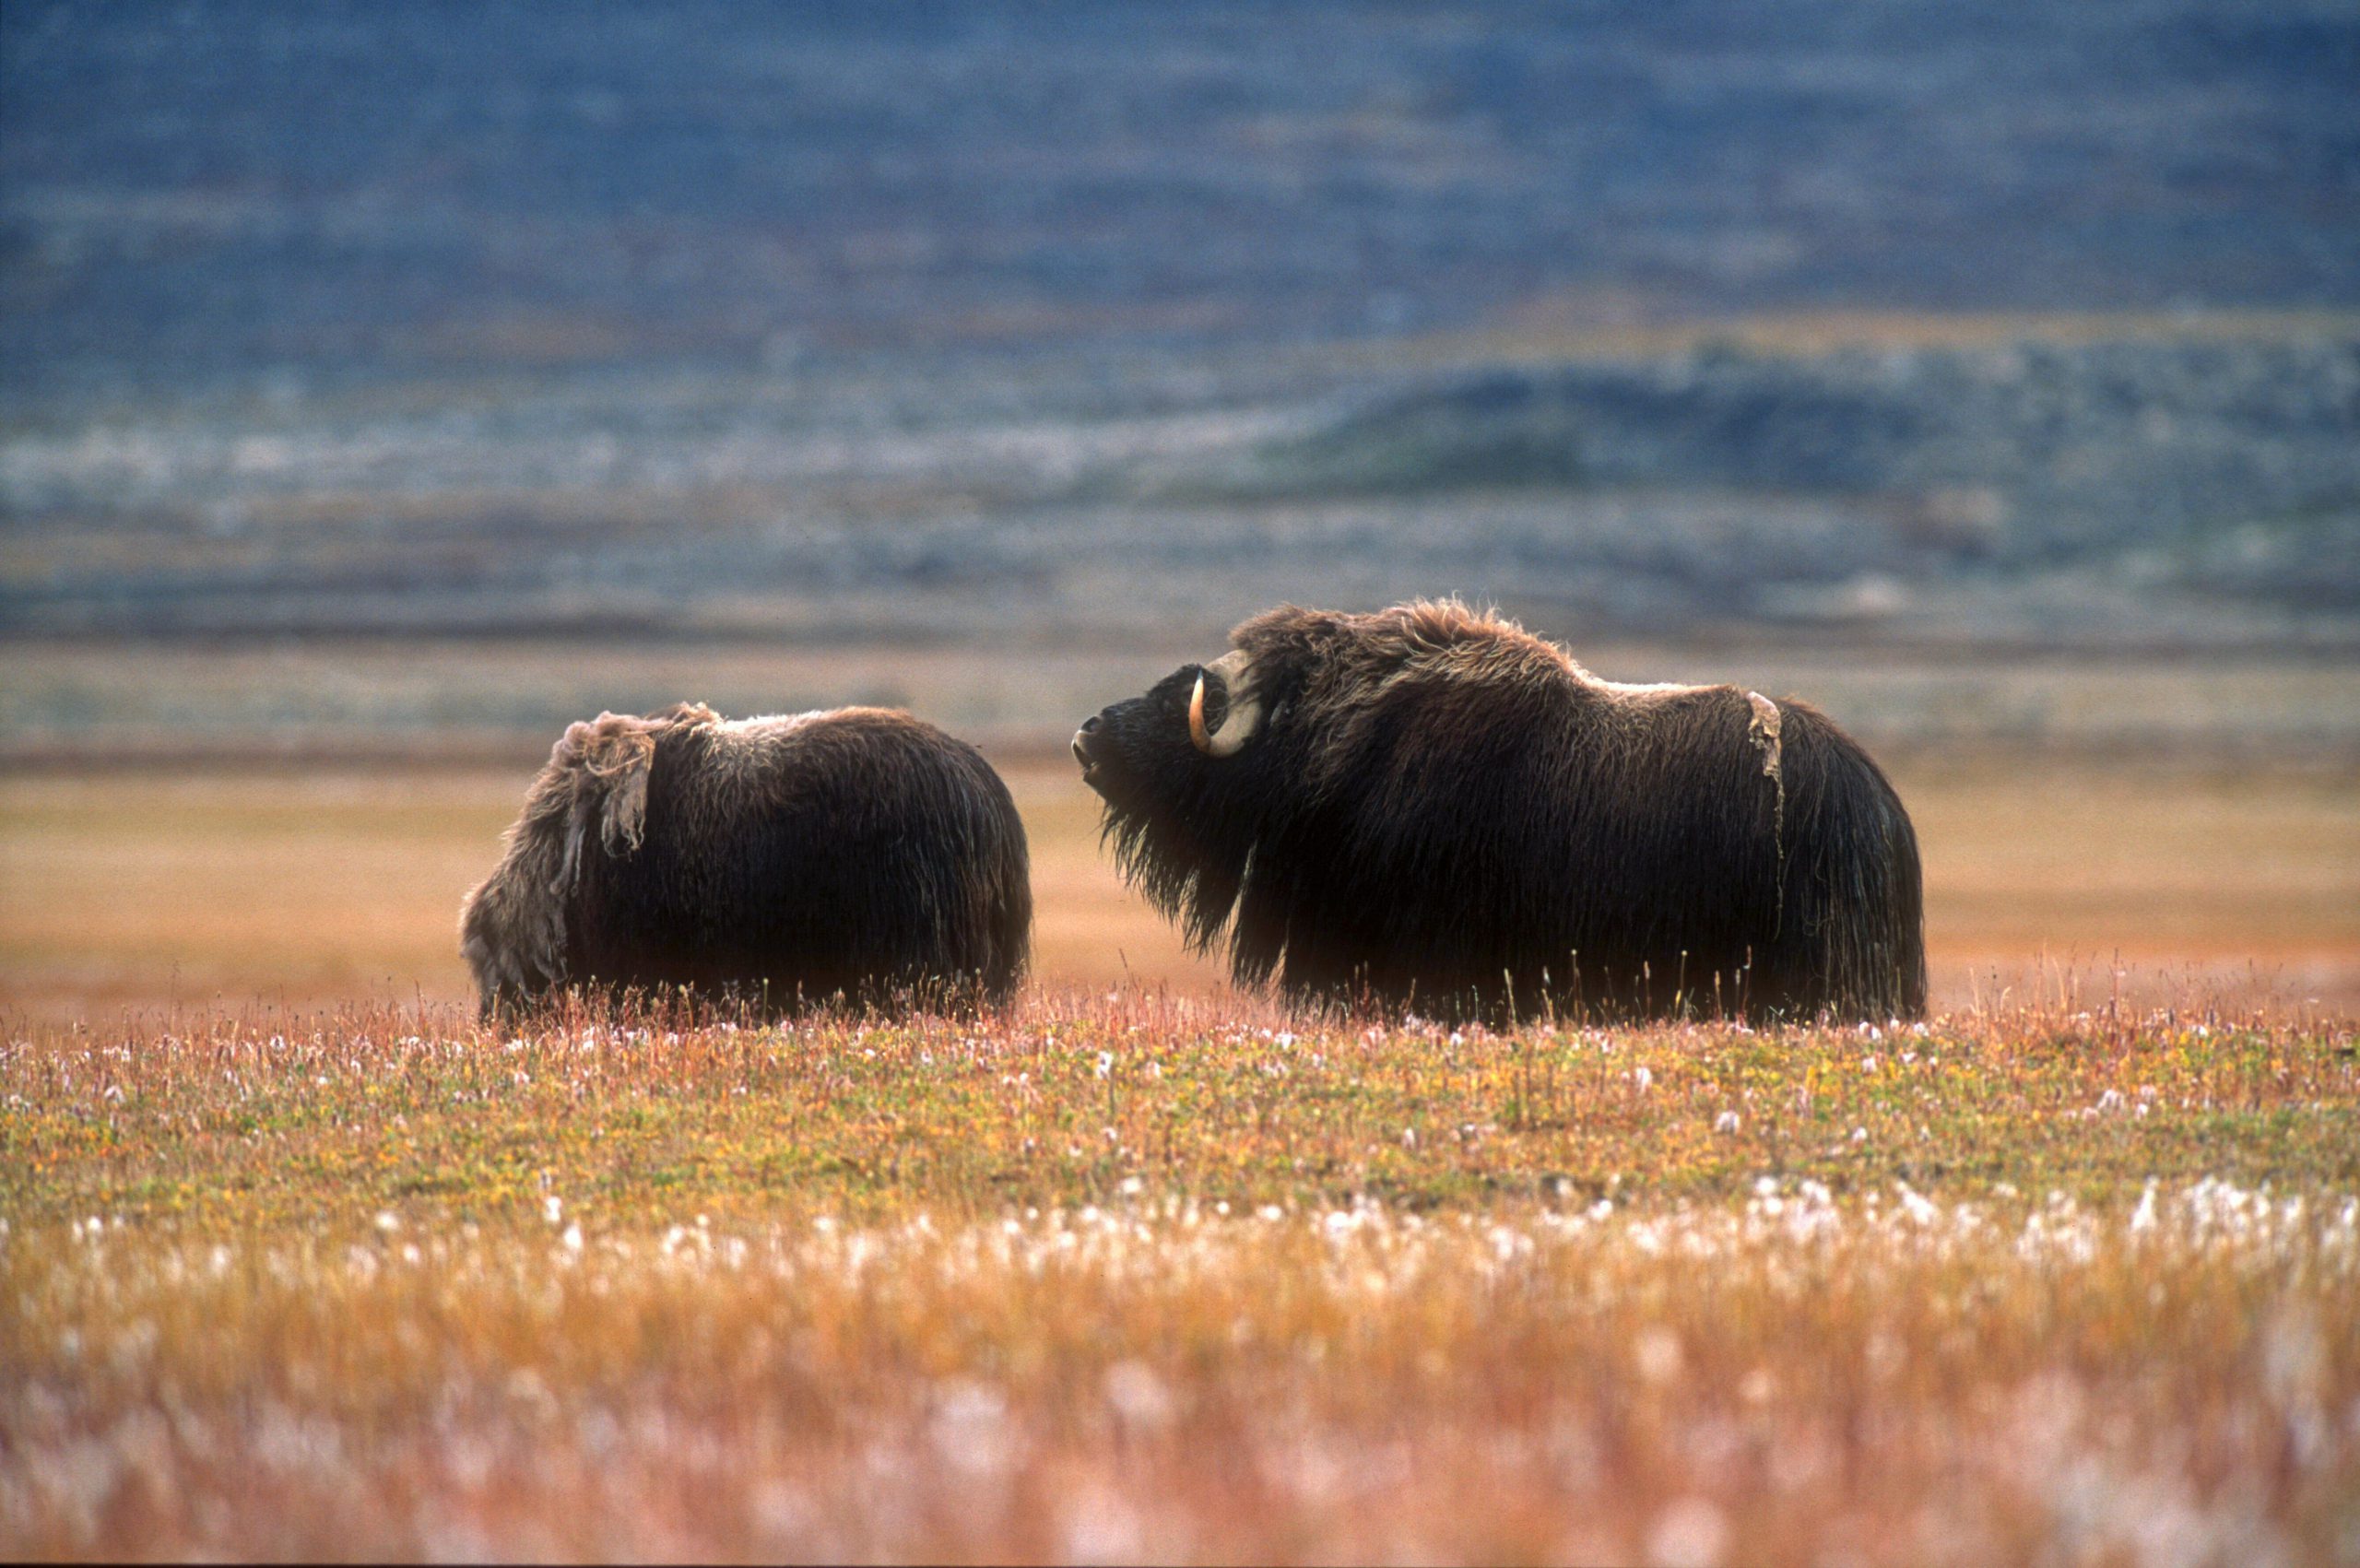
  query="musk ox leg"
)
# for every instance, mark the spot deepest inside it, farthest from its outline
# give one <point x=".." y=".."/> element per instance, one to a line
<point x="513" y="928"/>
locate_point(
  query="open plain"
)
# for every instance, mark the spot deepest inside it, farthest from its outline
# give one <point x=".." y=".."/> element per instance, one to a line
<point x="299" y="1261"/>
<point x="383" y="387"/>
<point x="2048" y="879"/>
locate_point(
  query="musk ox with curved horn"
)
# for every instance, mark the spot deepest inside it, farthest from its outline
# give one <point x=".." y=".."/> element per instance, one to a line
<point x="857" y="853"/>
<point x="1429" y="808"/>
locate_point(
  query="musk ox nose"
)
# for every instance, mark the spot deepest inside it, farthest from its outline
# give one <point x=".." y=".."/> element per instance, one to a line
<point x="1081" y="741"/>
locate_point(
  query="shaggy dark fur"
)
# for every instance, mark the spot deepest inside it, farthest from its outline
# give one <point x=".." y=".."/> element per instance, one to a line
<point x="858" y="852"/>
<point x="1436" y="811"/>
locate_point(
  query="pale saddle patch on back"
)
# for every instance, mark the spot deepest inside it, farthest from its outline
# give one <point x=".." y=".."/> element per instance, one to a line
<point x="1762" y="730"/>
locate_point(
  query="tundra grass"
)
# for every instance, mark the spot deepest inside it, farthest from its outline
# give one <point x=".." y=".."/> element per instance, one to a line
<point x="1136" y="1276"/>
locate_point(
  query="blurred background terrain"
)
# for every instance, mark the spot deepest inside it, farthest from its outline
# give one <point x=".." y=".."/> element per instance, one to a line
<point x="383" y="387"/>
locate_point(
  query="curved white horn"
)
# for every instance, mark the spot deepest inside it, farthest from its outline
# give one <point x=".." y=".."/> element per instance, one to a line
<point x="1235" y="670"/>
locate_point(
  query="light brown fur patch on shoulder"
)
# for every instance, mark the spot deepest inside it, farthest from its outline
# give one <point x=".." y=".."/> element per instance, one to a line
<point x="513" y="927"/>
<point x="616" y="751"/>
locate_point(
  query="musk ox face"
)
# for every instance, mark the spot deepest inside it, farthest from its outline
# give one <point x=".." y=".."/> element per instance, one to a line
<point x="1429" y="808"/>
<point x="1187" y="727"/>
<point x="1177" y="770"/>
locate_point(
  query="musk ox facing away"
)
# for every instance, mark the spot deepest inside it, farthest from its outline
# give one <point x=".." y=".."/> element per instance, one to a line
<point x="858" y="852"/>
<point x="1429" y="808"/>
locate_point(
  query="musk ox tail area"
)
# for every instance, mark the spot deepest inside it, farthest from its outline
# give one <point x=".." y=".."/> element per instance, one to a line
<point x="858" y="854"/>
<point x="1851" y="933"/>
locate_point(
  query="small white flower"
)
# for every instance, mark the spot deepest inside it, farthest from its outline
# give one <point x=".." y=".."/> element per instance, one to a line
<point x="1859" y="1135"/>
<point x="1642" y="1077"/>
<point x="1657" y="1350"/>
<point x="1105" y="1064"/>
<point x="1726" y="1121"/>
<point x="552" y="1208"/>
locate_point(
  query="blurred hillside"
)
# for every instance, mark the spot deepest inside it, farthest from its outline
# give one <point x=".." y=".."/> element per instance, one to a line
<point x="2185" y="490"/>
<point x="2011" y="324"/>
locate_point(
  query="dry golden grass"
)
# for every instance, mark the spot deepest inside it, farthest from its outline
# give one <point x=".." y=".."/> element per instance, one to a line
<point x="323" y="885"/>
<point x="1141" y="1278"/>
<point x="1792" y="1381"/>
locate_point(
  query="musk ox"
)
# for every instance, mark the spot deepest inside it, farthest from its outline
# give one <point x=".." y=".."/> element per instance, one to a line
<point x="1428" y="808"/>
<point x="858" y="852"/>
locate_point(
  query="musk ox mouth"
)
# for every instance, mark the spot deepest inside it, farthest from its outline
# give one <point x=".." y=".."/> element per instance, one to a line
<point x="1081" y="755"/>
